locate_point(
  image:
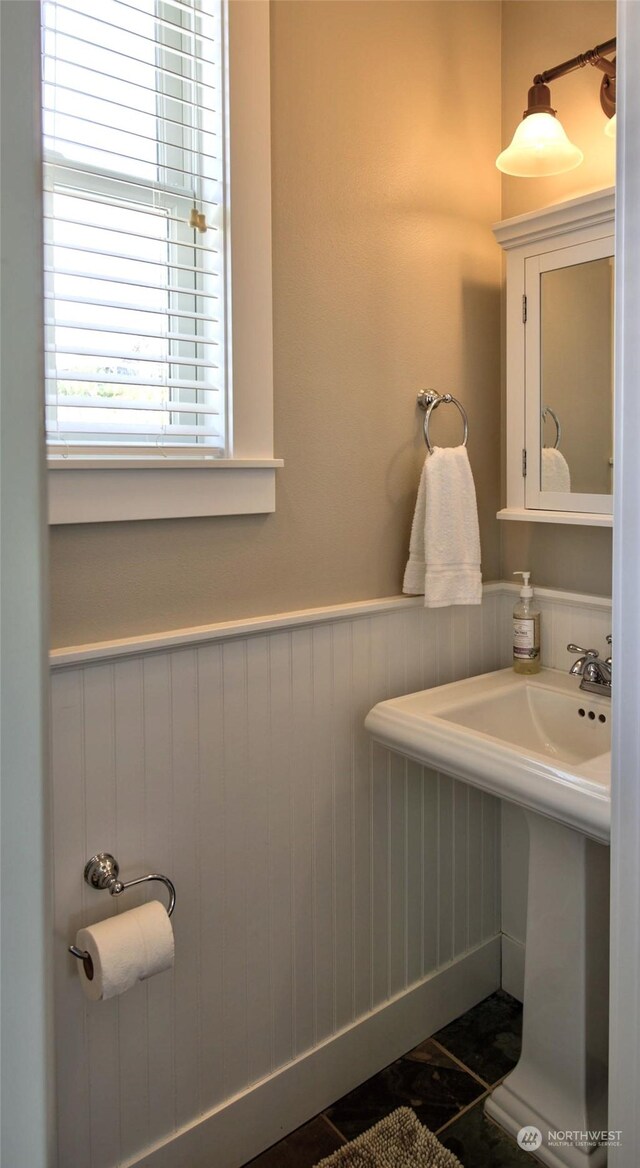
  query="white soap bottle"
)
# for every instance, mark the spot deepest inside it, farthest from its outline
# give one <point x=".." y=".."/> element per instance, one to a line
<point x="526" y="630"/>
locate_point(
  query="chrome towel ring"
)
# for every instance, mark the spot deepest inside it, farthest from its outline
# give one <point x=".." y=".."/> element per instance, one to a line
<point x="429" y="400"/>
<point x="547" y="411"/>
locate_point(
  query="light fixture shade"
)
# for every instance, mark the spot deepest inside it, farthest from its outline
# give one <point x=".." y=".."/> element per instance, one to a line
<point x="610" y="128"/>
<point x="539" y="147"/>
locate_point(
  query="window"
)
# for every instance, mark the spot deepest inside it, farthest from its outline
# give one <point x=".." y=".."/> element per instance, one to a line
<point x="144" y="171"/>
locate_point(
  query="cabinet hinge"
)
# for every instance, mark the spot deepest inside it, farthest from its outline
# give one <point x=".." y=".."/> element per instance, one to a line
<point x="524" y="464"/>
<point x="524" y="310"/>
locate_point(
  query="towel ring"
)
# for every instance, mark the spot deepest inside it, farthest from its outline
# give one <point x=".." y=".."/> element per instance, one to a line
<point x="429" y="400"/>
<point x="548" y="412"/>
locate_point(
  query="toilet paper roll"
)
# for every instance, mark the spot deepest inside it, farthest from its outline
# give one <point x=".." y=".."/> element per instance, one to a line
<point x="126" y="949"/>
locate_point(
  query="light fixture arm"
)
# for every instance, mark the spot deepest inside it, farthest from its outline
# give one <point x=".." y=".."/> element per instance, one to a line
<point x="594" y="57"/>
<point x="597" y="58"/>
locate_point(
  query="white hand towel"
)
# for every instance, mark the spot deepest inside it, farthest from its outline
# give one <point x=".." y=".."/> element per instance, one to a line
<point x="415" y="570"/>
<point x="555" y="473"/>
<point x="444" y="551"/>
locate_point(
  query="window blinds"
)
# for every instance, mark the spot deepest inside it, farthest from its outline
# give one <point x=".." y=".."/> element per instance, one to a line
<point x="133" y="122"/>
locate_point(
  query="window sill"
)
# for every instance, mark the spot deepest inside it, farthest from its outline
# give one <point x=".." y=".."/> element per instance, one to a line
<point x="101" y="490"/>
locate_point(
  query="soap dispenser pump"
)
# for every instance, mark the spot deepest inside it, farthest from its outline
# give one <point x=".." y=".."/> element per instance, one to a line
<point x="526" y="630"/>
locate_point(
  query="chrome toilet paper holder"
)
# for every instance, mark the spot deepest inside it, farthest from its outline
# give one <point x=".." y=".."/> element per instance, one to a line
<point x="101" y="872"/>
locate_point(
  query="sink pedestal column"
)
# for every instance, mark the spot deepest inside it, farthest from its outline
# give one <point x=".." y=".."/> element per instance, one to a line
<point x="560" y="1082"/>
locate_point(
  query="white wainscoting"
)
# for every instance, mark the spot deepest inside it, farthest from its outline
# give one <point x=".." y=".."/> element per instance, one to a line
<point x="318" y="876"/>
<point x="336" y="903"/>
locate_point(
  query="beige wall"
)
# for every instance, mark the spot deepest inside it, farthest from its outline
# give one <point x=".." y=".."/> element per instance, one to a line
<point x="386" y="280"/>
<point x="537" y="34"/>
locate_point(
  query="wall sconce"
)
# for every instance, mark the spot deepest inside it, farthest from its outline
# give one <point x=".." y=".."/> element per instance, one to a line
<point x="540" y="145"/>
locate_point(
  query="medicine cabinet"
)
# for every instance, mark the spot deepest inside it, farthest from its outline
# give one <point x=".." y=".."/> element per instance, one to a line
<point x="560" y="312"/>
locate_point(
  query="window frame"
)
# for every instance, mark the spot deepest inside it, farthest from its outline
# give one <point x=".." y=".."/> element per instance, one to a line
<point x="107" y="488"/>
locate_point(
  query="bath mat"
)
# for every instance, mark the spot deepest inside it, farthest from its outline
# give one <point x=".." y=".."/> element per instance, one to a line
<point x="398" y="1141"/>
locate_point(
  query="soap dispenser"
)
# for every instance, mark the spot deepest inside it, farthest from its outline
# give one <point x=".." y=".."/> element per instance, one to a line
<point x="526" y="630"/>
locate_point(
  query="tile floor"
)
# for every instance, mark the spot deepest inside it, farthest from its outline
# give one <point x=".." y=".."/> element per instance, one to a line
<point x="445" y="1080"/>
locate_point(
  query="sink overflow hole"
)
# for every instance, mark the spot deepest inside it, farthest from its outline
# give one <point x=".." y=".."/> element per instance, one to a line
<point x="592" y="715"/>
<point x="601" y="718"/>
<point x="581" y="713"/>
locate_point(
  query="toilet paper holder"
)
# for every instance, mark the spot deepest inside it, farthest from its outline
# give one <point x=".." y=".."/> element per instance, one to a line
<point x="101" y="872"/>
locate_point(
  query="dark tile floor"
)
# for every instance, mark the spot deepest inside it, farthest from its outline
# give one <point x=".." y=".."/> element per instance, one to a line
<point x="445" y="1080"/>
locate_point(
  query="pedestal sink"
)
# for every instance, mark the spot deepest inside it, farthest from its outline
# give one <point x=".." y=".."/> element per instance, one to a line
<point x="543" y="744"/>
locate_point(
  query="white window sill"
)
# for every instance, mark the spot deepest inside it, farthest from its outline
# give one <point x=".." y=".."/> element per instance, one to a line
<point x="104" y="490"/>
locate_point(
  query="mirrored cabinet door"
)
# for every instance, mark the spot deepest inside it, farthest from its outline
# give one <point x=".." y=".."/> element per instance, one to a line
<point x="560" y="375"/>
<point x="569" y="378"/>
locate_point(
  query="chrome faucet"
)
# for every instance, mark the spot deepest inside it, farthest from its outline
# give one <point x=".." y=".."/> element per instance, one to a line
<point x="594" y="673"/>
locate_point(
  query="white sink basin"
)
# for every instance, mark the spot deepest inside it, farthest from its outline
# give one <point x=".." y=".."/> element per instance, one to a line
<point x="538" y="741"/>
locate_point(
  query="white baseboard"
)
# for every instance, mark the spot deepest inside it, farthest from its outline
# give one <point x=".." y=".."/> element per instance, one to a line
<point x="513" y="967"/>
<point x="245" y="1125"/>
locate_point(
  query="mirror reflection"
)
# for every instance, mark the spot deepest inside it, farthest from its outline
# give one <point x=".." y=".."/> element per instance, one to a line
<point x="576" y="362"/>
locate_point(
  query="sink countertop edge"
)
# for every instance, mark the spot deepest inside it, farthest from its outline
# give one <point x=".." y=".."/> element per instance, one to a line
<point x="490" y="767"/>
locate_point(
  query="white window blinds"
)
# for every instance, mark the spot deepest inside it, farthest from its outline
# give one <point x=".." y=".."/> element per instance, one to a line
<point x="133" y="121"/>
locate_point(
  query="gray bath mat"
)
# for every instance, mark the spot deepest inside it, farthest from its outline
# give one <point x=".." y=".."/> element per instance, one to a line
<point x="398" y="1141"/>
